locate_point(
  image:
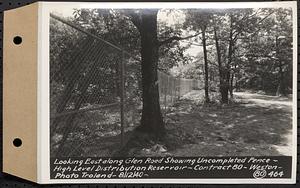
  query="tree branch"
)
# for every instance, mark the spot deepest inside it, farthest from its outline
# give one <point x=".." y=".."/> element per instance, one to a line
<point x="134" y="17"/>
<point x="259" y="28"/>
<point x="256" y="56"/>
<point x="199" y="44"/>
<point x="260" y="21"/>
<point x="176" y="38"/>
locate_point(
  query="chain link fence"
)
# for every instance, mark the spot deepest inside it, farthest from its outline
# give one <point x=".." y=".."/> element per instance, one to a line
<point x="86" y="91"/>
<point x="95" y="92"/>
<point x="172" y="88"/>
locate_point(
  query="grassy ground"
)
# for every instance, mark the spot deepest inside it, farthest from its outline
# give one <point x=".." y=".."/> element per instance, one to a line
<point x="253" y="125"/>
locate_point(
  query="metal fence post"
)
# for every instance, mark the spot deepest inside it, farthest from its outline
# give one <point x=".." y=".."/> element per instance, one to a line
<point x="166" y="92"/>
<point x="122" y="102"/>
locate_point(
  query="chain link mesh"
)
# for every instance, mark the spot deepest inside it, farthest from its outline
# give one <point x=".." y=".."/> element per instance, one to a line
<point x="85" y="91"/>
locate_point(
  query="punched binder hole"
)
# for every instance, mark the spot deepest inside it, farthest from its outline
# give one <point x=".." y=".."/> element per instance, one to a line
<point x="17" y="40"/>
<point x="17" y="142"/>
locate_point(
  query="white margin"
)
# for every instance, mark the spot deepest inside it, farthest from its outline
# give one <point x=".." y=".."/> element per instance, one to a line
<point x="43" y="95"/>
<point x="295" y="90"/>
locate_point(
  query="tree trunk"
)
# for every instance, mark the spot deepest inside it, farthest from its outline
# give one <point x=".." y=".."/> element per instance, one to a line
<point x="205" y="66"/>
<point x="229" y="60"/>
<point x="237" y="86"/>
<point x="232" y="79"/>
<point x="222" y="75"/>
<point x="152" y="121"/>
<point x="281" y="89"/>
<point x="231" y="85"/>
<point x="226" y="85"/>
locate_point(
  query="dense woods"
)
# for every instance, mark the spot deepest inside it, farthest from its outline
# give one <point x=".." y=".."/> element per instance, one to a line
<point x="227" y="50"/>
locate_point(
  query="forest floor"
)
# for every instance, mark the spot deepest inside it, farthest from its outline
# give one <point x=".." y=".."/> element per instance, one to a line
<point x="251" y="125"/>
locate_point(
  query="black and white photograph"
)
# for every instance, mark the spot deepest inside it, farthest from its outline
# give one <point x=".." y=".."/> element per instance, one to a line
<point x="172" y="82"/>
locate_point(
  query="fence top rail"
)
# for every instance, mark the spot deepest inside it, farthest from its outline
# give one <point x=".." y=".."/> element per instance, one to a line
<point x="64" y="21"/>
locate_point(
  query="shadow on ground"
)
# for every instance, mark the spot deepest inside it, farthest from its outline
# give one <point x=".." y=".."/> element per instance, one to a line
<point x="253" y="125"/>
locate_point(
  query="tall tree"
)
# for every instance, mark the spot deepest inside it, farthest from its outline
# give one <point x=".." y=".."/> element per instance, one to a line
<point x="219" y="45"/>
<point x="283" y="48"/>
<point x="146" y="22"/>
<point x="200" y="20"/>
<point x="205" y="63"/>
<point x="265" y="54"/>
<point x="235" y="23"/>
